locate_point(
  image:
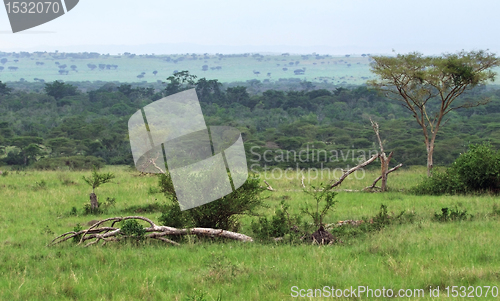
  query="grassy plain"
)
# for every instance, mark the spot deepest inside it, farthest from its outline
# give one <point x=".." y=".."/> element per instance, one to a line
<point x="409" y="256"/>
<point x="333" y="69"/>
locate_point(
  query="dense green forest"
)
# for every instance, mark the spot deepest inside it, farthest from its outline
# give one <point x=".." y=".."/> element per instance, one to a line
<point x="58" y="124"/>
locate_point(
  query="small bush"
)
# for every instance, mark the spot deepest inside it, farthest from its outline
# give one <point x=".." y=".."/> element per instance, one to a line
<point x="5" y="173"/>
<point x="219" y="214"/>
<point x="376" y="223"/>
<point x="77" y="229"/>
<point x="449" y="215"/>
<point x="476" y="171"/>
<point x="40" y="185"/>
<point x="73" y="211"/>
<point x="281" y="224"/>
<point x="132" y="229"/>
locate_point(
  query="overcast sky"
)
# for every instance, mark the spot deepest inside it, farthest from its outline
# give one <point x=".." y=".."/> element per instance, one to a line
<point x="237" y="26"/>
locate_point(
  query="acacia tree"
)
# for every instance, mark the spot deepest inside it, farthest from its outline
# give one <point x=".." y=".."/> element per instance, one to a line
<point x="428" y="86"/>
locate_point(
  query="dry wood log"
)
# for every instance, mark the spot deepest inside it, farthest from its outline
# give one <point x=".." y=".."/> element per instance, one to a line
<point x="380" y="177"/>
<point x="347" y="173"/>
<point x="268" y="186"/>
<point x="96" y="232"/>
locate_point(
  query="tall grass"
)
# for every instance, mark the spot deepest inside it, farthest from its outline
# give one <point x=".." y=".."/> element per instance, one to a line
<point x="411" y="256"/>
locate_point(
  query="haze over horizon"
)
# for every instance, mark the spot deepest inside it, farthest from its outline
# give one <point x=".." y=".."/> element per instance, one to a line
<point x="325" y="27"/>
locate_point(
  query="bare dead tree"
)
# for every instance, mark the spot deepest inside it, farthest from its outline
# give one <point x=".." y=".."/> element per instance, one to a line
<point x="384" y="160"/>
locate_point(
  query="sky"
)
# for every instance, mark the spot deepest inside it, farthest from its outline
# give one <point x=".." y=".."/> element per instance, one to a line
<point x="334" y="27"/>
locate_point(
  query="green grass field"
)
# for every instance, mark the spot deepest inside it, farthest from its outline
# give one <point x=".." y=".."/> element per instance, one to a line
<point x="408" y="256"/>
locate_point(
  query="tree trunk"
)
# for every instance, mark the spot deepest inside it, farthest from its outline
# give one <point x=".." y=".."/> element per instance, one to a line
<point x="93" y="202"/>
<point x="430" y="151"/>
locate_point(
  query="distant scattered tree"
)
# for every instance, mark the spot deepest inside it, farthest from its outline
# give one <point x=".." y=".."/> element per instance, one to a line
<point x="285" y="69"/>
<point x="1" y="68"/>
<point x="155" y="72"/>
<point x="204" y="67"/>
<point x="102" y="66"/>
<point x="140" y="76"/>
<point x="59" y="89"/>
<point x="92" y="66"/>
<point x="57" y="63"/>
<point x="16" y="61"/>
<point x="416" y="80"/>
<point x="4" y="90"/>
<point x="63" y="72"/>
<point x="73" y="67"/>
<point x="62" y="66"/>
<point x="12" y="68"/>
<point x="180" y="81"/>
<point x="3" y="61"/>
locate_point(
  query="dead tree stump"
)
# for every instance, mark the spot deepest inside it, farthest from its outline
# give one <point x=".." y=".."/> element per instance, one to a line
<point x="93" y="202"/>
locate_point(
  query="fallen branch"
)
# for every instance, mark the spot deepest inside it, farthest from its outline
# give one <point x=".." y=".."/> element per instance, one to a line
<point x="380" y="177"/>
<point x="94" y="233"/>
<point x="268" y="186"/>
<point x="350" y="171"/>
<point x="303" y="186"/>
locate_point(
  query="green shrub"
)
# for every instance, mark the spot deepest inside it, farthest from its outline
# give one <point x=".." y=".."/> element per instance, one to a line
<point x="321" y="194"/>
<point x="219" y="214"/>
<point x="77" y="229"/>
<point x="455" y="214"/>
<point x="279" y="225"/>
<point x="132" y="229"/>
<point x="477" y="170"/>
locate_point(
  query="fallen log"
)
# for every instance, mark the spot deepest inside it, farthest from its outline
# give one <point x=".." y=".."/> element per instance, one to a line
<point x="347" y="173"/>
<point x="96" y="232"/>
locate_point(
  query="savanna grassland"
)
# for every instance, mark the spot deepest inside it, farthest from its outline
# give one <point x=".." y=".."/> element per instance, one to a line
<point x="226" y="68"/>
<point x="415" y="254"/>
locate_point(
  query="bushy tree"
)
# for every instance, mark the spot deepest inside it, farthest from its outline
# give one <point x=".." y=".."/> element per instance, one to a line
<point x="219" y="214"/>
<point x="59" y="89"/>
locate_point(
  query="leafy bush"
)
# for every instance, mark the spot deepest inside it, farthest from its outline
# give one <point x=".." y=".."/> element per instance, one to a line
<point x="220" y="214"/>
<point x="77" y="229"/>
<point x="376" y="223"/>
<point x="477" y="170"/>
<point x="132" y="229"/>
<point x="320" y="194"/>
<point x="456" y="214"/>
<point x="279" y="225"/>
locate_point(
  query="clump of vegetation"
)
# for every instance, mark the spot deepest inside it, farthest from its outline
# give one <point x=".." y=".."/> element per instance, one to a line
<point x="97" y="179"/>
<point x="219" y="214"/>
<point x="476" y="171"/>
<point x="322" y="195"/>
<point x="451" y="215"/>
<point x="40" y="185"/>
<point x="148" y="208"/>
<point x="132" y="229"/>
<point x="103" y="208"/>
<point x="77" y="229"/>
<point x="378" y="222"/>
<point x="281" y="224"/>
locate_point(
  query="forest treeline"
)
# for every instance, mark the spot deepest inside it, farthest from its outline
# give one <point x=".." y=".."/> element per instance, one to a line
<point x="63" y="126"/>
